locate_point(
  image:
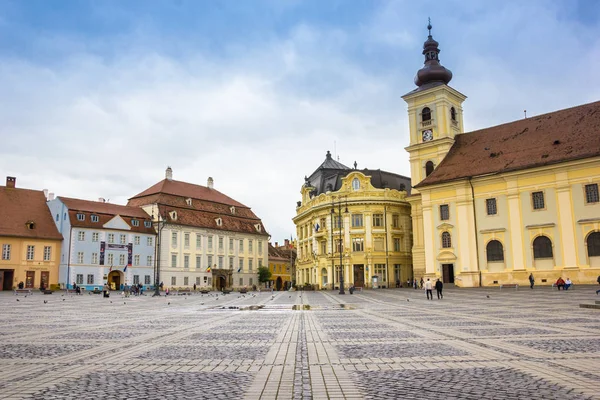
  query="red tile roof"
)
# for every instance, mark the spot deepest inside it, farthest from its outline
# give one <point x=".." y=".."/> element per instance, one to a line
<point x="105" y="212"/>
<point x="20" y="206"/>
<point x="188" y="190"/>
<point x="207" y="205"/>
<point x="560" y="136"/>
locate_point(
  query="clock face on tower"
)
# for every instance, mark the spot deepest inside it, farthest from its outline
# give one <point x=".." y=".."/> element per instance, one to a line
<point x="427" y="135"/>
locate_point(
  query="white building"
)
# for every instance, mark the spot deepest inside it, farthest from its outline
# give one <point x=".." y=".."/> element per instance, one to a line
<point x="104" y="243"/>
<point x="206" y="238"/>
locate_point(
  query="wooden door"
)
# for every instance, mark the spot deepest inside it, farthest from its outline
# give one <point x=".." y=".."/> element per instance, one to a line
<point x="30" y="280"/>
<point x="448" y="273"/>
<point x="359" y="275"/>
<point x="45" y="279"/>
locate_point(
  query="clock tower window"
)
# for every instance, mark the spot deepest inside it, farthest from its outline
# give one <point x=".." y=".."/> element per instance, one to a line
<point x="426" y="114"/>
<point x="428" y="168"/>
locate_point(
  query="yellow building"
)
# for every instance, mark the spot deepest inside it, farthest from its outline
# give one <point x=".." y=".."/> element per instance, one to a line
<point x="357" y="219"/>
<point x="29" y="240"/>
<point x="280" y="266"/>
<point x="493" y="206"/>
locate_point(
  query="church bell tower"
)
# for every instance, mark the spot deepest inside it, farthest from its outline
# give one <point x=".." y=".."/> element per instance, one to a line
<point x="434" y="112"/>
<point x="435" y="117"/>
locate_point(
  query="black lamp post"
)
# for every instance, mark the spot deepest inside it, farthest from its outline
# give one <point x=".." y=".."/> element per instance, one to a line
<point x="160" y="224"/>
<point x="339" y="204"/>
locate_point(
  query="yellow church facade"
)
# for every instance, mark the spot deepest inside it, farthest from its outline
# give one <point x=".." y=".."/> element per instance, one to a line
<point x="356" y="219"/>
<point x="494" y="206"/>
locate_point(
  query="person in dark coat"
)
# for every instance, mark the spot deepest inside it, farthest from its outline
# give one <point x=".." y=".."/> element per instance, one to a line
<point x="531" y="280"/>
<point x="438" y="288"/>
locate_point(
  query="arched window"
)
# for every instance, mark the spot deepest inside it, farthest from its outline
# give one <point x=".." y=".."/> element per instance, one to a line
<point x="542" y="247"/>
<point x="446" y="240"/>
<point x="426" y="114"/>
<point x="355" y="184"/>
<point x="593" y="244"/>
<point x="453" y="114"/>
<point x="495" y="251"/>
<point x="428" y="168"/>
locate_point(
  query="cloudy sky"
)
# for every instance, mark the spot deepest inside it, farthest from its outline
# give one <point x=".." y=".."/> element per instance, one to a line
<point x="97" y="98"/>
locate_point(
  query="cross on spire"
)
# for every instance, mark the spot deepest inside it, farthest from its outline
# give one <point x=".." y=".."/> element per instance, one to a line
<point x="429" y="25"/>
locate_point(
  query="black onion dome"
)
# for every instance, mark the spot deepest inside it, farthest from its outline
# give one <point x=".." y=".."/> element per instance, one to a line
<point x="432" y="71"/>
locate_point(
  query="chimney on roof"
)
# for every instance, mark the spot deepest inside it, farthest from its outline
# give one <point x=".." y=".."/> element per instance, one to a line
<point x="169" y="174"/>
<point x="101" y="199"/>
<point x="46" y="193"/>
<point x="210" y="183"/>
<point x="287" y="243"/>
<point x="11" y="181"/>
<point x="276" y="244"/>
<point x="50" y="196"/>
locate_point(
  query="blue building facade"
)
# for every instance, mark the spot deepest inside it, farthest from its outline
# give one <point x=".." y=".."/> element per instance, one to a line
<point x="104" y="244"/>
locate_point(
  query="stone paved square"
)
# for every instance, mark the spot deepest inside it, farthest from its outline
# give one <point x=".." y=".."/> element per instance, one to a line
<point x="473" y="344"/>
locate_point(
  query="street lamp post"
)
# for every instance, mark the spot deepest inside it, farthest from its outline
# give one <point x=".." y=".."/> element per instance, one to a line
<point x="339" y="204"/>
<point x="160" y="224"/>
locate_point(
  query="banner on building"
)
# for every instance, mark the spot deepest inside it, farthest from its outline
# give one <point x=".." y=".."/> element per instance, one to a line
<point x="129" y="254"/>
<point x="102" y="250"/>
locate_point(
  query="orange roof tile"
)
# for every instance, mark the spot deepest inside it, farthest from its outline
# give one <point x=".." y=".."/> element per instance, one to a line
<point x="560" y="136"/>
<point x="20" y="206"/>
<point x="185" y="189"/>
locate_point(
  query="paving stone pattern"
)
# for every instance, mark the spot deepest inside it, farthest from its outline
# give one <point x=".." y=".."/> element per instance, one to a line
<point x="473" y="344"/>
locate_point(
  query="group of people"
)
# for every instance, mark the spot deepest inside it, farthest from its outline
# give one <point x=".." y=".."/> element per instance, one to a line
<point x="428" y="286"/>
<point x="561" y="283"/>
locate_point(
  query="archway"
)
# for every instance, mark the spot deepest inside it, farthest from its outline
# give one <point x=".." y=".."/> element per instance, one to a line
<point x="114" y="280"/>
<point x="221" y="283"/>
<point x="279" y="283"/>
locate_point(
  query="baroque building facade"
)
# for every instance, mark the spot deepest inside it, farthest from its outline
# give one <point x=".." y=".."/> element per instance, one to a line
<point x="205" y="238"/>
<point x="280" y="266"/>
<point x="29" y="241"/>
<point x="353" y="225"/>
<point x="104" y="243"/>
<point x="493" y="206"/>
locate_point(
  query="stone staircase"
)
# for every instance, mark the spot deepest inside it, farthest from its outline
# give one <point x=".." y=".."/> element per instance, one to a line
<point x="596" y="305"/>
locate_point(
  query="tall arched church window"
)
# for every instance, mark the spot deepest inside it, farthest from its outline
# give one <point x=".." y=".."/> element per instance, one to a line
<point x="426" y="114"/>
<point x="453" y="114"/>
<point x="495" y="251"/>
<point x="428" y="168"/>
<point x="542" y="247"/>
<point x="446" y="240"/>
<point x="593" y="244"/>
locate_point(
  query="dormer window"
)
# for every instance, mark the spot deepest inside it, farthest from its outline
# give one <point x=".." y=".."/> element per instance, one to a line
<point x="219" y="221"/>
<point x="426" y="114"/>
<point x="30" y="225"/>
<point x="148" y="224"/>
<point x="80" y="217"/>
<point x="453" y="114"/>
<point x="135" y="222"/>
<point x="258" y="227"/>
<point x="232" y="209"/>
<point x="173" y="215"/>
<point x="188" y="201"/>
<point x="95" y="218"/>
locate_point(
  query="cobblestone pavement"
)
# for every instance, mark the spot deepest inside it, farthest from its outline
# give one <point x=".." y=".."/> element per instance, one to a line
<point x="383" y="344"/>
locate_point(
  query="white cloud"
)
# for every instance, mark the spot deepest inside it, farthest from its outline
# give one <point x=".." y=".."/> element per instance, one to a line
<point x="259" y="119"/>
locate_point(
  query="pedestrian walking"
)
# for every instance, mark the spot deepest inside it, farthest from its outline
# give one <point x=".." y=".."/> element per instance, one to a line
<point x="598" y="280"/>
<point x="531" y="281"/>
<point x="428" y="289"/>
<point x="422" y="281"/>
<point x="438" y="288"/>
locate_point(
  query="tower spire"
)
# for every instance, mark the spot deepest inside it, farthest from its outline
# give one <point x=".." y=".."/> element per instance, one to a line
<point x="432" y="71"/>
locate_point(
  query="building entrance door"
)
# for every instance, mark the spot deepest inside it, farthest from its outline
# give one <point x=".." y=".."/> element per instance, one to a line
<point x="30" y="279"/>
<point x="114" y="280"/>
<point x="6" y="279"/>
<point x="45" y="279"/>
<point x="279" y="283"/>
<point x="448" y="273"/>
<point x="221" y="283"/>
<point x="359" y="275"/>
